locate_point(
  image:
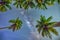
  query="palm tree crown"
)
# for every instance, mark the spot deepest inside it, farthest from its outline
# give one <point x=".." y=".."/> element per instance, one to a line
<point x="16" y="24"/>
<point x="45" y="26"/>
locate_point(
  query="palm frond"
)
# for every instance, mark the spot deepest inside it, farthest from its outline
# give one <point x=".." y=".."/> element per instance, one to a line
<point x="4" y="5"/>
<point x="49" y="19"/>
<point x="42" y="18"/>
<point x="12" y="21"/>
<point x="32" y="5"/>
<point x="51" y="23"/>
<point x="8" y="6"/>
<point x="49" y="35"/>
<point x="43" y="33"/>
<point x="3" y="8"/>
<point x="58" y="1"/>
<point x="18" y="3"/>
<point x="51" y="29"/>
<point x="25" y="5"/>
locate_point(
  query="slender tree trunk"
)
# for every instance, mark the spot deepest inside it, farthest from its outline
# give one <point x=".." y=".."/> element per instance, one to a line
<point x="57" y="24"/>
<point x="4" y="27"/>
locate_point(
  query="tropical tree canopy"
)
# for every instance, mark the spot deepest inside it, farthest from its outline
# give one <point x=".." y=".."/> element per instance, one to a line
<point x="5" y="5"/>
<point x="25" y="4"/>
<point x="45" y="26"/>
<point x="16" y="24"/>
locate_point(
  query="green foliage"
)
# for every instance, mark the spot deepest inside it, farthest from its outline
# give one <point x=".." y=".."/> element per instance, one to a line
<point x="18" y="3"/>
<point x="45" y="26"/>
<point x="42" y="4"/>
<point x="25" y="4"/>
<point x="3" y="8"/>
<point x="58" y="1"/>
<point x="7" y="1"/>
<point x="50" y="2"/>
<point x="53" y="30"/>
<point x="5" y="5"/>
<point x="16" y="24"/>
<point x="28" y="3"/>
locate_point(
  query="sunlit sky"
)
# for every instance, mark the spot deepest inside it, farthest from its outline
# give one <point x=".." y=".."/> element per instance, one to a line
<point x="25" y="33"/>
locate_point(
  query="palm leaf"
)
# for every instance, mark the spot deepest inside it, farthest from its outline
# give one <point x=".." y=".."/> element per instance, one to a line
<point x="18" y="3"/>
<point x="42" y="18"/>
<point x="51" y="23"/>
<point x="39" y="26"/>
<point x="58" y="1"/>
<point x="5" y="5"/>
<point x="53" y="30"/>
<point x="3" y="8"/>
<point x="32" y="5"/>
<point x="45" y="7"/>
<point x="49" y="2"/>
<point x="49" y="35"/>
<point x="15" y="3"/>
<point x="39" y="22"/>
<point x="8" y="6"/>
<point x="40" y="29"/>
<point x="49" y="19"/>
<point x="25" y="6"/>
<point x="43" y="33"/>
<point x="12" y="21"/>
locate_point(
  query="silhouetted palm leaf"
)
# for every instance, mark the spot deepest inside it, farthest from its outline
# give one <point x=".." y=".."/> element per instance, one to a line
<point x="28" y="3"/>
<point x="18" y="3"/>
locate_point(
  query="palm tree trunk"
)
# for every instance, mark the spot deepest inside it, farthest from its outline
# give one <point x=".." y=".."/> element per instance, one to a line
<point x="57" y="24"/>
<point x="4" y="27"/>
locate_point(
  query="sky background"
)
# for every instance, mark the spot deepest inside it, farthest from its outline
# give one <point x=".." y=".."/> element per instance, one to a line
<point x="25" y="33"/>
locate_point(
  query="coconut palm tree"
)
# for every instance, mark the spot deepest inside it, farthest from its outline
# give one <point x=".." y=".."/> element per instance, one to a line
<point x="16" y="24"/>
<point x="45" y="26"/>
